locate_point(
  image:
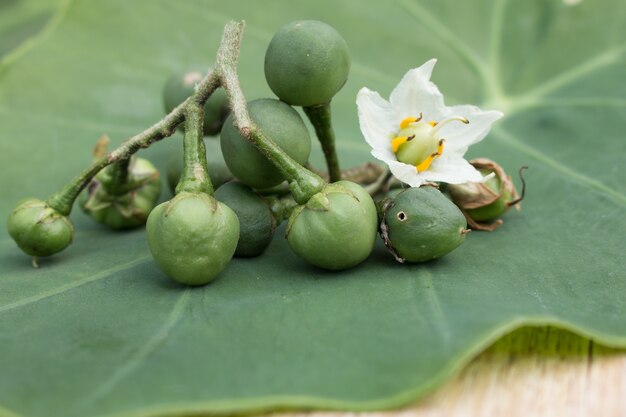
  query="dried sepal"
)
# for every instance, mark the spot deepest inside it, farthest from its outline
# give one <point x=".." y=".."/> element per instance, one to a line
<point x="482" y="204"/>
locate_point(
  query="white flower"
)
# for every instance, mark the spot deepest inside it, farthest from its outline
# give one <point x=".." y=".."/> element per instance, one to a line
<point x="417" y="135"/>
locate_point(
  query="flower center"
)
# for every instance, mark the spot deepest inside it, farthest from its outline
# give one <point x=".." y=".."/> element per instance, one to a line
<point x="417" y="142"/>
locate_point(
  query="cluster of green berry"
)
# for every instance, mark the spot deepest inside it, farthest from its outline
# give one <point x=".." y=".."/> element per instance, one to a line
<point x="254" y="166"/>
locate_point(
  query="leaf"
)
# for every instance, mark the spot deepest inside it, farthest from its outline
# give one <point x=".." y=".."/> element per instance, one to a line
<point x="20" y="23"/>
<point x="100" y="331"/>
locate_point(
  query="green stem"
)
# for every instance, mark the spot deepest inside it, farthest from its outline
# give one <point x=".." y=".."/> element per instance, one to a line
<point x="63" y="200"/>
<point x="119" y="177"/>
<point x="302" y="182"/>
<point x="321" y="119"/>
<point x="195" y="177"/>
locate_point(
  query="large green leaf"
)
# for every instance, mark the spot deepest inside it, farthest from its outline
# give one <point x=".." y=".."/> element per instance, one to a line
<point x="24" y="22"/>
<point x="99" y="330"/>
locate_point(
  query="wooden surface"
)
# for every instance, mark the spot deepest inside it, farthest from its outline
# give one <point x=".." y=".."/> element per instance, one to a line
<point x="531" y="372"/>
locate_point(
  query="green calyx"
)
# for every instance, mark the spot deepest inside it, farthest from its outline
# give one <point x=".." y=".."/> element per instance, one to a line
<point x="279" y="122"/>
<point x="192" y="237"/>
<point x="336" y="228"/>
<point x="218" y="170"/>
<point x="123" y="204"/>
<point x="182" y="85"/>
<point x="421" y="224"/>
<point x="38" y="229"/>
<point x="306" y="63"/>
<point x="256" y="221"/>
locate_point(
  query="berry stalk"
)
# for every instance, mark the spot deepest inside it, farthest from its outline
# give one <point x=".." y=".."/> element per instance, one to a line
<point x="63" y="200"/>
<point x="320" y="117"/>
<point x="195" y="177"/>
<point x="119" y="173"/>
<point x="302" y="182"/>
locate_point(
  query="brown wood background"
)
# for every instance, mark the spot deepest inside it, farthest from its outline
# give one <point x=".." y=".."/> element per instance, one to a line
<point x="530" y="372"/>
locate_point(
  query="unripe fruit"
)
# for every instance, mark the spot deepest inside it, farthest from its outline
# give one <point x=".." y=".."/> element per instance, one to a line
<point x="484" y="203"/>
<point x="256" y="222"/>
<point x="497" y="207"/>
<point x="192" y="237"/>
<point x="336" y="228"/>
<point x="278" y="122"/>
<point x="421" y="224"/>
<point x="306" y="63"/>
<point x="182" y="85"/>
<point x="130" y="208"/>
<point x="218" y="170"/>
<point x="38" y="229"/>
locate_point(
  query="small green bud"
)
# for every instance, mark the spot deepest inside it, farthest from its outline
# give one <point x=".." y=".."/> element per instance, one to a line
<point x="306" y="63"/>
<point x="279" y="122"/>
<point x="256" y="222"/>
<point x="484" y="203"/>
<point x="38" y="229"/>
<point x="181" y="85"/>
<point x="123" y="206"/>
<point x="336" y="228"/>
<point x="421" y="224"/>
<point x="218" y="170"/>
<point x="192" y="237"/>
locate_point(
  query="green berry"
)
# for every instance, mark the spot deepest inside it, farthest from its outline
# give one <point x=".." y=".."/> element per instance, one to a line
<point x="181" y="85"/>
<point x="129" y="206"/>
<point x="495" y="209"/>
<point x="484" y="203"/>
<point x="307" y="63"/>
<point x="192" y="237"/>
<point x="280" y="123"/>
<point x="336" y="228"/>
<point x="218" y="170"/>
<point x="421" y="224"/>
<point x="256" y="222"/>
<point x="38" y="229"/>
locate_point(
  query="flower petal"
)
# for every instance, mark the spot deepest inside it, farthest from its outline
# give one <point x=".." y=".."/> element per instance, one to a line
<point x="460" y="136"/>
<point x="406" y="173"/>
<point x="415" y="93"/>
<point x="376" y="118"/>
<point x="403" y="172"/>
<point x="453" y="170"/>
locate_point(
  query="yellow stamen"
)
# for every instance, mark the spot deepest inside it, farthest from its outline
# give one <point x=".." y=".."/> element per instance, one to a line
<point x="407" y="121"/>
<point x="428" y="161"/>
<point x="432" y="123"/>
<point x="396" y="142"/>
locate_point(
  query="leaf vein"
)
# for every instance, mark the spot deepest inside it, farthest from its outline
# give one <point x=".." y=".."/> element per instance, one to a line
<point x="600" y="61"/>
<point x="433" y="302"/>
<point x="35" y="40"/>
<point x="572" y="175"/>
<point x="68" y="287"/>
<point x="451" y="40"/>
<point x="142" y="353"/>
